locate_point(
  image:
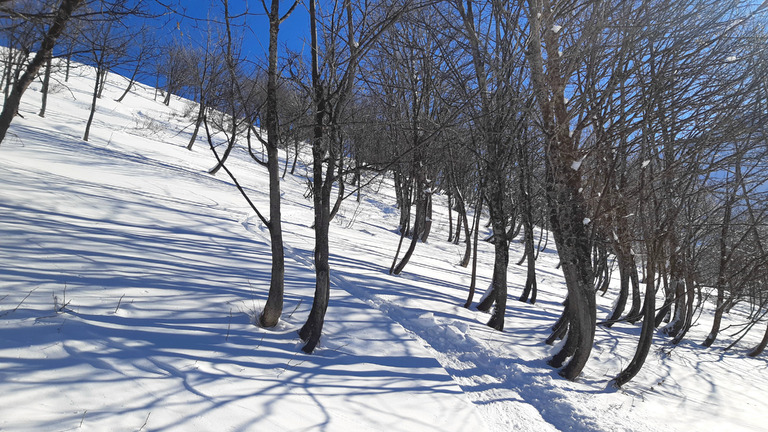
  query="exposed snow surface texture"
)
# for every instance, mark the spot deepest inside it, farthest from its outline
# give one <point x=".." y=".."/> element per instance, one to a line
<point x="130" y="279"/>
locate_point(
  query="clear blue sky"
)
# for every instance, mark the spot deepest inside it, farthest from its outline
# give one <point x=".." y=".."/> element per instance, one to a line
<point x="254" y="25"/>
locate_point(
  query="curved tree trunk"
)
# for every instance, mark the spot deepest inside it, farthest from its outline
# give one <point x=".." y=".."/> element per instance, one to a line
<point x="621" y="302"/>
<point x="646" y="333"/>
<point x="198" y="122"/>
<point x="757" y="350"/>
<point x="417" y="227"/>
<point x="563" y="186"/>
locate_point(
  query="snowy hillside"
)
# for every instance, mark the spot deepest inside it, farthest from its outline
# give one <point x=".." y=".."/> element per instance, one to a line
<point x="130" y="278"/>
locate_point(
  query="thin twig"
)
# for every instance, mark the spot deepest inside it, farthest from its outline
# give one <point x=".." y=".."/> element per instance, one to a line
<point x="20" y="303"/>
<point x="145" y="421"/>
<point x="82" y="419"/>
<point x="118" y="302"/>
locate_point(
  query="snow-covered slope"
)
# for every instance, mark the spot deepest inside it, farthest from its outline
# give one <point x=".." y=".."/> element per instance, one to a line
<point x="129" y="280"/>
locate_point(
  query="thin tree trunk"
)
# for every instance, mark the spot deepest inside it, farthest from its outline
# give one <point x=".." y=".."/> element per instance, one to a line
<point x="417" y="227"/>
<point x="131" y="81"/>
<point x="646" y="333"/>
<point x="93" y="105"/>
<point x="103" y="81"/>
<point x="198" y="122"/>
<point x="46" y="86"/>
<point x="621" y="302"/>
<point x="230" y="146"/>
<point x="450" y="214"/>
<point x="312" y="329"/>
<point x="476" y="235"/>
<point x="757" y="350"/>
<point x="499" y="282"/>
<point x="274" y="306"/>
<point x="721" y="277"/>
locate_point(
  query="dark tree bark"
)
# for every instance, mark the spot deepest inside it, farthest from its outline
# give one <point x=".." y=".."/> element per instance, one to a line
<point x="722" y="303"/>
<point x="97" y="83"/>
<point x="525" y="180"/>
<point x="46" y="48"/>
<point x="418" y="225"/>
<point x="198" y="122"/>
<point x="312" y="329"/>
<point x="475" y="238"/>
<point x="46" y="86"/>
<point x="230" y="145"/>
<point x="463" y="221"/>
<point x="563" y="184"/>
<point x="132" y="80"/>
<point x="757" y="350"/>
<point x="274" y="305"/>
<point x="646" y="333"/>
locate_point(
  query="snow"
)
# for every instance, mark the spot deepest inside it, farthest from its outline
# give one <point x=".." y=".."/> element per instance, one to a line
<point x="576" y="165"/>
<point x="158" y="270"/>
<point x="646" y="163"/>
<point x="556" y="28"/>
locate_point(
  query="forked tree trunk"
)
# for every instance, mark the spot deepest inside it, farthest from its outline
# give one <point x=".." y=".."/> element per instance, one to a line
<point x="418" y="225"/>
<point x="563" y="184"/>
<point x="498" y="294"/>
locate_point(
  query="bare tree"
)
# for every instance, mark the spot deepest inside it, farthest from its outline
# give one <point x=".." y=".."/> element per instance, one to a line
<point x="55" y="30"/>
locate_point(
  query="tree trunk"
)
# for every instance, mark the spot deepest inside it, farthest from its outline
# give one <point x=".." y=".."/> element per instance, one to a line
<point x="757" y="350"/>
<point x="274" y="305"/>
<point x="530" y="290"/>
<point x="312" y="329"/>
<point x="198" y="122"/>
<point x="476" y="235"/>
<point x="46" y="85"/>
<point x="417" y="225"/>
<point x="103" y="81"/>
<point x="467" y="231"/>
<point x="563" y="186"/>
<point x="230" y="146"/>
<point x="93" y="105"/>
<point x="46" y="48"/>
<point x="621" y="302"/>
<point x="721" y="277"/>
<point x="449" y="195"/>
<point x="131" y="81"/>
<point x="646" y="333"/>
<point x="498" y="294"/>
<point x="499" y="281"/>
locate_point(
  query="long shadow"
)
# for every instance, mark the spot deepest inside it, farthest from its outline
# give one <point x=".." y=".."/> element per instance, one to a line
<point x="155" y="289"/>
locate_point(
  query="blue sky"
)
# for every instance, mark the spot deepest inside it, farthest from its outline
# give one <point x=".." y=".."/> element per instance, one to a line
<point x="254" y="26"/>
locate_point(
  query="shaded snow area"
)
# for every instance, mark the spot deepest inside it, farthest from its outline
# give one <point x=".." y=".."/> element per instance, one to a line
<point x="130" y="279"/>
